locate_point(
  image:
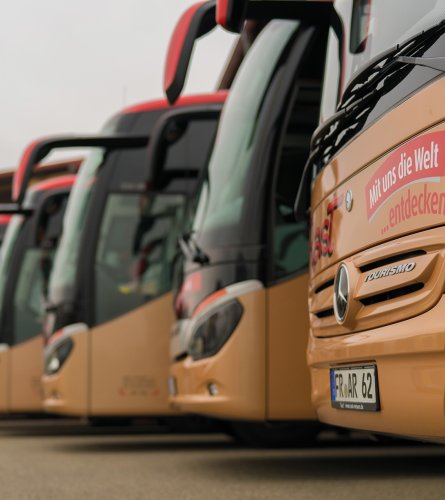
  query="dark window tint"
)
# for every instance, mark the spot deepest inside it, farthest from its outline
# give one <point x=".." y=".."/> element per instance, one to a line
<point x="134" y="123"/>
<point x="128" y="169"/>
<point x="361" y="11"/>
<point x="290" y="238"/>
<point x="191" y="148"/>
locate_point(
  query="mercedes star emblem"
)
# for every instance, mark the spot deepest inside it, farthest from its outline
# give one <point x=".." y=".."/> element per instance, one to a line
<point x="341" y="293"/>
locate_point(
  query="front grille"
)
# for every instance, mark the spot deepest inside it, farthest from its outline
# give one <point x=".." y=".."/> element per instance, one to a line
<point x="391" y="260"/>
<point x="326" y="313"/>
<point x="393" y="294"/>
<point x="325" y="285"/>
<point x="382" y="290"/>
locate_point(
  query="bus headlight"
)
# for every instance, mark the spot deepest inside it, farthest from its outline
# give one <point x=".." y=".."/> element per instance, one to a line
<point x="215" y="330"/>
<point x="58" y="356"/>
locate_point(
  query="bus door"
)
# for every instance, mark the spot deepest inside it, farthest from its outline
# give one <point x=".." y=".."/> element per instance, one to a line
<point x="288" y="385"/>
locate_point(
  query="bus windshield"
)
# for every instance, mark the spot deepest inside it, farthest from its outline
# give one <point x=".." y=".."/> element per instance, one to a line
<point x="369" y="28"/>
<point x="7" y="251"/>
<point x="222" y="195"/>
<point x="136" y="246"/>
<point x="65" y="261"/>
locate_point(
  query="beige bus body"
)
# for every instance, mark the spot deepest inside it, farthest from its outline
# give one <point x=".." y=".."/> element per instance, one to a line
<point x="395" y="318"/>
<point x="105" y="375"/>
<point x="260" y="373"/>
<point x="24" y="363"/>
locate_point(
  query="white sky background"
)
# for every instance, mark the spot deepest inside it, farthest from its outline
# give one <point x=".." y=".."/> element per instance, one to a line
<point x="66" y="66"/>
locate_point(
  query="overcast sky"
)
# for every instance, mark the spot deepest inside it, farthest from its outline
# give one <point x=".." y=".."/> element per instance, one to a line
<point x="66" y="66"/>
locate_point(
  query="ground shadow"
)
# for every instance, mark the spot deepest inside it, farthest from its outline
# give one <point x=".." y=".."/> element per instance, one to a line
<point x="76" y="427"/>
<point x="173" y="444"/>
<point x="330" y="464"/>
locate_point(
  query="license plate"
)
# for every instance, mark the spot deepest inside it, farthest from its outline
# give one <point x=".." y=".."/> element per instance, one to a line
<point x="355" y="388"/>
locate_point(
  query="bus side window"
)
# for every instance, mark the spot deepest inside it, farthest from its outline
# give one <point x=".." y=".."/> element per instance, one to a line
<point x="361" y="14"/>
<point x="291" y="238"/>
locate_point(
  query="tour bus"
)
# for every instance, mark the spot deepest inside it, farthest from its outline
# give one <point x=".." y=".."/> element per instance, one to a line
<point x="25" y="262"/>
<point x="378" y="173"/>
<point x="109" y="310"/>
<point x="238" y="347"/>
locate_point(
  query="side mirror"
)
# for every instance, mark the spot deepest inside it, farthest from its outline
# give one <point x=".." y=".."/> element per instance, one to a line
<point x="197" y="21"/>
<point x="168" y="129"/>
<point x="39" y="149"/>
<point x="231" y="14"/>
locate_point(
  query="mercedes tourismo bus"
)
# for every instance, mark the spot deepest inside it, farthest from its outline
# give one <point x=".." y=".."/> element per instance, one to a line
<point x="239" y="344"/>
<point x="109" y="308"/>
<point x="378" y="206"/>
<point x="26" y="258"/>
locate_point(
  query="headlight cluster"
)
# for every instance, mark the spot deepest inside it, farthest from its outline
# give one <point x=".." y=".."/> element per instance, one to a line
<point x="215" y="330"/>
<point x="58" y="357"/>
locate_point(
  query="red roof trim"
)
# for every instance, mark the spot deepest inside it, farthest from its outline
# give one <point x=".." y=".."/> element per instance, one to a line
<point x="59" y="182"/>
<point x="191" y="100"/>
<point x="19" y="174"/>
<point x="222" y="6"/>
<point x="4" y="219"/>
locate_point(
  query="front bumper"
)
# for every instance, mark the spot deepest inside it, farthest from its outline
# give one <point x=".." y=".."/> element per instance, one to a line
<point x="410" y="359"/>
<point x="230" y="384"/>
<point x="65" y="392"/>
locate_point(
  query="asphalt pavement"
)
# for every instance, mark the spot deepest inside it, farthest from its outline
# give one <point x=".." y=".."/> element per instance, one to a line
<point x="64" y="460"/>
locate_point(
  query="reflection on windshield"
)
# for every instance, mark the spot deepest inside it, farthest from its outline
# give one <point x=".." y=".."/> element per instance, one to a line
<point x="389" y="23"/>
<point x="135" y="251"/>
<point x="222" y="196"/>
<point x="7" y="251"/>
<point x="65" y="263"/>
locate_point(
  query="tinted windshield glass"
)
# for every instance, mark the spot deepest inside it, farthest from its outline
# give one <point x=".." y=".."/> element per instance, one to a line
<point x="7" y="251"/>
<point x="223" y="192"/>
<point x="371" y="27"/>
<point x="136" y="248"/>
<point x="65" y="261"/>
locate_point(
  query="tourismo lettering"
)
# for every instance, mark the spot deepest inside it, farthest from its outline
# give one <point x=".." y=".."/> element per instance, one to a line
<point x="323" y="237"/>
<point x="391" y="271"/>
<point x="421" y="159"/>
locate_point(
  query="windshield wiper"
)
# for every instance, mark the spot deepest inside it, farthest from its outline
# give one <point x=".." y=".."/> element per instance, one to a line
<point x="382" y="72"/>
<point x="384" y="63"/>
<point x="191" y="250"/>
<point x="437" y="63"/>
